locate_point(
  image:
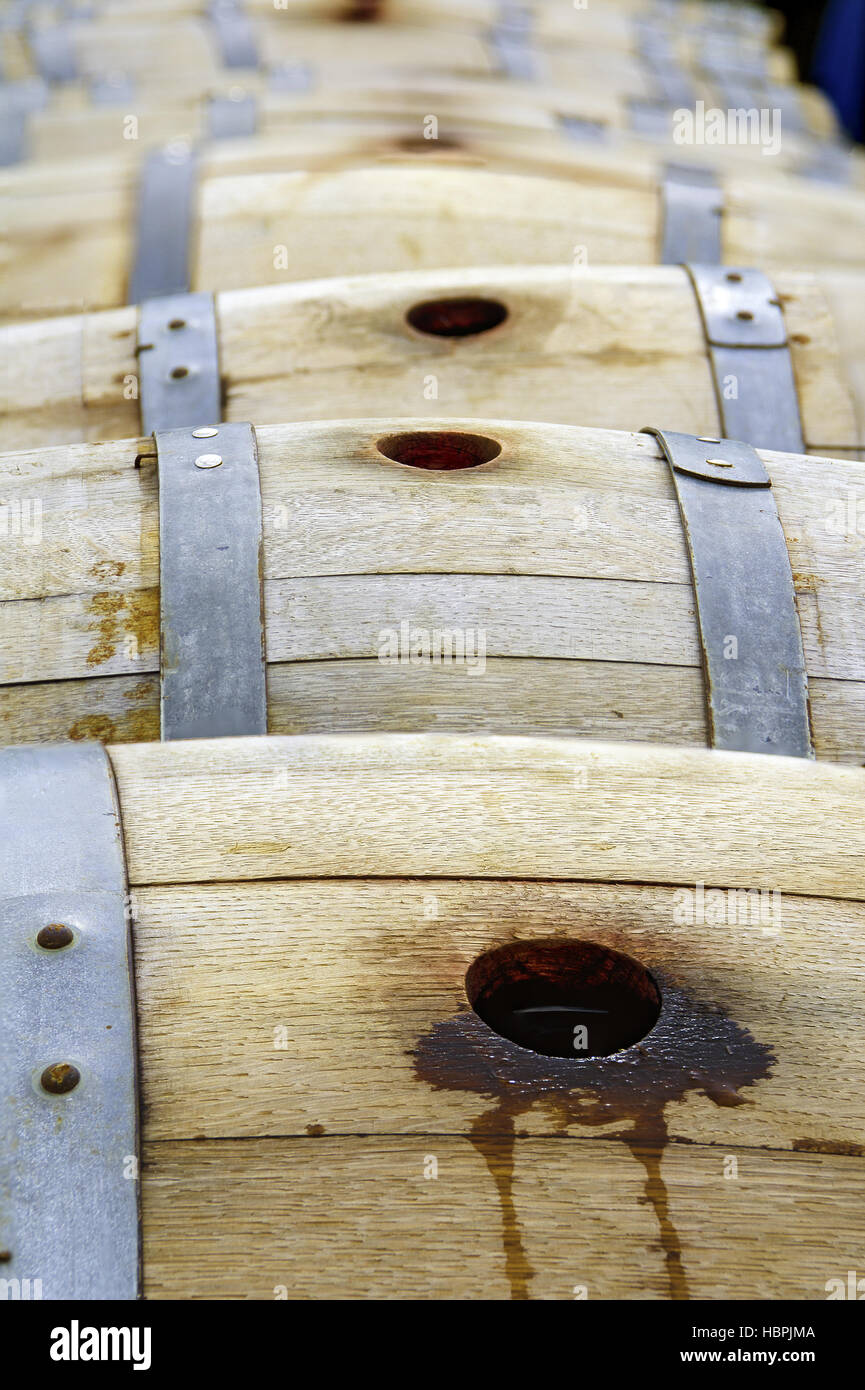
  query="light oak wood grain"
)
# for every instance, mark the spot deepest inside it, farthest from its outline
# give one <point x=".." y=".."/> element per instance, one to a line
<point x="471" y="216"/>
<point x="320" y="1021"/>
<point x="586" y="699"/>
<point x="236" y="809"/>
<point x="355" y="1218"/>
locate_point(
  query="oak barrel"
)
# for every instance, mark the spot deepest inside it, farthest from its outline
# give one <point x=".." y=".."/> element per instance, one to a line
<point x="326" y="1115"/>
<point x="595" y="346"/>
<point x="559" y="550"/>
<point x="566" y="131"/>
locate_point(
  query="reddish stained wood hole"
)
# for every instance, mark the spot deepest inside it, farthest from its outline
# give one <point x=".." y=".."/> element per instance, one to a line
<point x="564" y="998"/>
<point x="442" y="450"/>
<point x="463" y="317"/>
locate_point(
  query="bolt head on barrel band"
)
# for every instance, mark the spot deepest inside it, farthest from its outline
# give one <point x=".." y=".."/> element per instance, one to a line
<point x="55" y="936"/>
<point x="60" y="1078"/>
<point x="69" y="1094"/>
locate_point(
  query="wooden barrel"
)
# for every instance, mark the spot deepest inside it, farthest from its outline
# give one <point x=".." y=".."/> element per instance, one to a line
<point x="340" y="1070"/>
<point x="190" y="51"/>
<point x="604" y="346"/>
<point x="483" y="923"/>
<point x="137" y="65"/>
<point x="614" y="24"/>
<point x="566" y="133"/>
<point x="66" y="253"/>
<point x="335" y="88"/>
<point x="561" y="550"/>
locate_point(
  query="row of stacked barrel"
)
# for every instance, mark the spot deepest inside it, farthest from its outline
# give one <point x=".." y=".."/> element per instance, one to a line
<point x="331" y="335"/>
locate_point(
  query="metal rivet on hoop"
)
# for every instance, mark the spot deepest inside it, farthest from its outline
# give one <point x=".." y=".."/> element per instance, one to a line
<point x="60" y="1078"/>
<point x="55" y="936"/>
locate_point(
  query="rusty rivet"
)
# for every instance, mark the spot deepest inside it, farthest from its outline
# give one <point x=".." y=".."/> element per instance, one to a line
<point x="60" y="1078"/>
<point x="5" y="1256"/>
<point x="55" y="936"/>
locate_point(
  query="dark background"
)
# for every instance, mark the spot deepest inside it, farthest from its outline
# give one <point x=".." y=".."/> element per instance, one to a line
<point x="803" y="26"/>
<point x="828" y="38"/>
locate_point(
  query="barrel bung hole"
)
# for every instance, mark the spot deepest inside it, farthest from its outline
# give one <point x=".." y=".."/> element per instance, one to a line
<point x="419" y="144"/>
<point x="564" y="998"/>
<point x="441" y="450"/>
<point x="361" y="12"/>
<point x="457" y="318"/>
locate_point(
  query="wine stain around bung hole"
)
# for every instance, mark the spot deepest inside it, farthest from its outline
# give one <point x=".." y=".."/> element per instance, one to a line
<point x="442" y="450"/>
<point x="564" y="998"/>
<point x="651" y="1041"/>
<point x="457" y="318"/>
